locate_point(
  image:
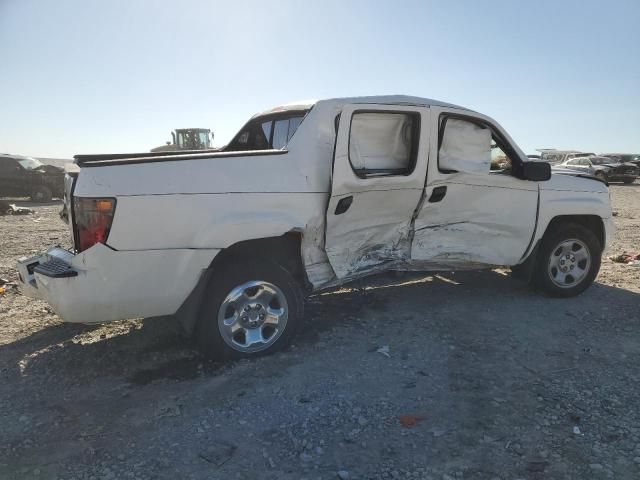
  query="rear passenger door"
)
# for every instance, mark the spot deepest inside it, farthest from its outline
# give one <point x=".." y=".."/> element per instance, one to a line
<point x="378" y="178"/>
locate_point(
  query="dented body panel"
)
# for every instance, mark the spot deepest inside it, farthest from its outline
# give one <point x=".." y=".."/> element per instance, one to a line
<point x="376" y="228"/>
<point x="175" y="214"/>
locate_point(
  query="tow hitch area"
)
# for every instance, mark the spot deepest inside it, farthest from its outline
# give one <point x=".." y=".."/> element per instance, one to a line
<point x="55" y="263"/>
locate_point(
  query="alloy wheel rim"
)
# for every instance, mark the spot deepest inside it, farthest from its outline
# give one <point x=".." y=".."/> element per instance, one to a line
<point x="569" y="263"/>
<point x="253" y="316"/>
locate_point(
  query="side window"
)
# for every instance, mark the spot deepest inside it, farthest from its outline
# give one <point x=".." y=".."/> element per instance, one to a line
<point x="266" y="134"/>
<point x="280" y="133"/>
<point x="382" y="143"/>
<point x="283" y="131"/>
<point x="499" y="159"/>
<point x="294" y="123"/>
<point x="471" y="145"/>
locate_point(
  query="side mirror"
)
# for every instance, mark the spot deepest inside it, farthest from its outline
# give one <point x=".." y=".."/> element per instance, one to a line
<point x="536" y="171"/>
<point x="464" y="147"/>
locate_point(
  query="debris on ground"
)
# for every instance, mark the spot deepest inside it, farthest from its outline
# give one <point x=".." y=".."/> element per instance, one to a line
<point x="76" y="412"/>
<point x="168" y="409"/>
<point x="384" y="350"/>
<point x="408" y="421"/>
<point x="218" y="453"/>
<point x="7" y="208"/>
<point x="630" y="258"/>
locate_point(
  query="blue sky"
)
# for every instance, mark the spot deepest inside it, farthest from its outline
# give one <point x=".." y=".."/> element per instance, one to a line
<point x="94" y="76"/>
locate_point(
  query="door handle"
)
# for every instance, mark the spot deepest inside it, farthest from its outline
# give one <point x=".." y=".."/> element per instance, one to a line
<point x="343" y="205"/>
<point x="438" y="194"/>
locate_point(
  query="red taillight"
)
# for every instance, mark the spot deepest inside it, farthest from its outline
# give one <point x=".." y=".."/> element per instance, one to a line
<point x="92" y="218"/>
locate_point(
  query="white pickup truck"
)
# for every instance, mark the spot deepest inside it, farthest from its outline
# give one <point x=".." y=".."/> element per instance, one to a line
<point x="308" y="196"/>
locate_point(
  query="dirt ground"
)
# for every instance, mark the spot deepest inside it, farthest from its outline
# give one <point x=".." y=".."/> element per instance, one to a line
<point x="484" y="379"/>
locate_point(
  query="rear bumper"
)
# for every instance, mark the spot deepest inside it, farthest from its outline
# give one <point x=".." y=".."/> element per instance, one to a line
<point x="102" y="285"/>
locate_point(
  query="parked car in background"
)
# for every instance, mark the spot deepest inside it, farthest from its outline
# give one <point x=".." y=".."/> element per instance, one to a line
<point x="606" y="168"/>
<point x="309" y="196"/>
<point x="28" y="177"/>
<point x="554" y="156"/>
<point x="624" y="157"/>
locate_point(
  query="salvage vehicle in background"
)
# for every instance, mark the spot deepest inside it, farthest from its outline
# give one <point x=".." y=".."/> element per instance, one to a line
<point x="554" y="156"/>
<point x="305" y="197"/>
<point x="187" y="139"/>
<point x="27" y="177"/>
<point x="624" y="157"/>
<point x="607" y="168"/>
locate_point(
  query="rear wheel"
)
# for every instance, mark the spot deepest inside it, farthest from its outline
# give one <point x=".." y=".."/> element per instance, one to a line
<point x="254" y="308"/>
<point x="41" y="194"/>
<point x="568" y="260"/>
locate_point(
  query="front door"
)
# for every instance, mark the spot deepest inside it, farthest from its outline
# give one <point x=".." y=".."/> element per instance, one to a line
<point x="479" y="219"/>
<point x="378" y="178"/>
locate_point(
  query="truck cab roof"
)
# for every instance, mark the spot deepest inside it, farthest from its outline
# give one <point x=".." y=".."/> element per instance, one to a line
<point x="374" y="99"/>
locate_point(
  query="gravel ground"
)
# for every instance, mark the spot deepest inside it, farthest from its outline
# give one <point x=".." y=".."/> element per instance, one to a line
<point x="448" y="376"/>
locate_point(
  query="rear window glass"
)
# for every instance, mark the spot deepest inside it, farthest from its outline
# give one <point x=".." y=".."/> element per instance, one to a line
<point x="267" y="133"/>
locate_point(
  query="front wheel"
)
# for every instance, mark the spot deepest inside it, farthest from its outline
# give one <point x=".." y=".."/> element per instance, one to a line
<point x="253" y="308"/>
<point x="568" y="260"/>
<point x="628" y="180"/>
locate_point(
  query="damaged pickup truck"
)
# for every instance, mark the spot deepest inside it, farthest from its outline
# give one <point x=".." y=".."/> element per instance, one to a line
<point x="308" y="196"/>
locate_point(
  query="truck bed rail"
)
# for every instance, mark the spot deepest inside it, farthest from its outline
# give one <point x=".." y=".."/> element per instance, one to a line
<point x="103" y="160"/>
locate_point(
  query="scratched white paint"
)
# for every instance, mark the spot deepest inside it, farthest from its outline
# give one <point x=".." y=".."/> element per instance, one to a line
<point x="173" y="217"/>
<point x="376" y="227"/>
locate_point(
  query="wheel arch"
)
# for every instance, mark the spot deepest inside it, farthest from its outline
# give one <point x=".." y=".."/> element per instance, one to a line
<point x="591" y="222"/>
<point x="525" y="269"/>
<point x="284" y="250"/>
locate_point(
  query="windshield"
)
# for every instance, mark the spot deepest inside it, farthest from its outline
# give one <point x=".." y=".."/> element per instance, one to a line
<point x="29" y="163"/>
<point x="602" y="160"/>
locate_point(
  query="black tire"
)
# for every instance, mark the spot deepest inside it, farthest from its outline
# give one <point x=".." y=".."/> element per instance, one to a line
<point x="548" y="247"/>
<point x="602" y="175"/>
<point x="41" y="194"/>
<point x="231" y="275"/>
<point x="628" y="180"/>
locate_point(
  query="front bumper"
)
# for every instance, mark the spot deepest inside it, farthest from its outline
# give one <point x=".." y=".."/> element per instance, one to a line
<point x="102" y="285"/>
